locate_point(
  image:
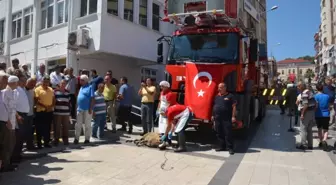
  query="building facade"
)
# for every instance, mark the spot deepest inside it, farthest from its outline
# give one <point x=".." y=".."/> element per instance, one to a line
<point x="297" y="67"/>
<point x="117" y="35"/>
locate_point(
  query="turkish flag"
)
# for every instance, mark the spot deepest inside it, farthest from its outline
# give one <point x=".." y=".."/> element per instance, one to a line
<point x="201" y="87"/>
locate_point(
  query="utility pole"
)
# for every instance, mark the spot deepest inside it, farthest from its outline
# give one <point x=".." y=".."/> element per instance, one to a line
<point x="35" y="36"/>
<point x="71" y="60"/>
<point x="8" y="27"/>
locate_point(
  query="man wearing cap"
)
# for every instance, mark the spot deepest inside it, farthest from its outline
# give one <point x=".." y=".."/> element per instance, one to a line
<point x="5" y="125"/>
<point x="44" y="99"/>
<point x="22" y="110"/>
<point x="56" y="77"/>
<point x="15" y="63"/>
<point x="167" y="98"/>
<point x="10" y="100"/>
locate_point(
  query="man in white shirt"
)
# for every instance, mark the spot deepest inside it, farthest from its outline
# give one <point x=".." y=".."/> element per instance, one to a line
<point x="9" y="99"/>
<point x="4" y="123"/>
<point x="56" y="77"/>
<point x="72" y="83"/>
<point x="28" y="126"/>
<point x="22" y="109"/>
<point x="40" y="73"/>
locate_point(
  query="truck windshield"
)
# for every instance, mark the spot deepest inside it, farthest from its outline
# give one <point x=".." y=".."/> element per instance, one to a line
<point x="212" y="48"/>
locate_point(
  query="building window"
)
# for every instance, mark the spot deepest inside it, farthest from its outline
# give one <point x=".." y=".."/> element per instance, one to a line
<point x="16" y="25"/>
<point x="300" y="71"/>
<point x="282" y="72"/>
<point x="293" y="71"/>
<point x="112" y="7"/>
<point x="289" y="71"/>
<point x="128" y="10"/>
<point x="62" y="11"/>
<point x="148" y="73"/>
<point x="156" y="17"/>
<point x="88" y="7"/>
<point x="47" y="15"/>
<point x="143" y="12"/>
<point x="2" y="31"/>
<point x="28" y="21"/>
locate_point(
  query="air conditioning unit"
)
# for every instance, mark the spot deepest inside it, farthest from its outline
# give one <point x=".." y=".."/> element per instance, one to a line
<point x="78" y="39"/>
<point x="2" y="48"/>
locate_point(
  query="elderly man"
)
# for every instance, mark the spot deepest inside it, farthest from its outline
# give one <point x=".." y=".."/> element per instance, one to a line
<point x="307" y="105"/>
<point x="22" y="110"/>
<point x="85" y="104"/>
<point x="223" y="114"/>
<point x="5" y="125"/>
<point x="41" y="73"/>
<point x="3" y="66"/>
<point x="10" y="100"/>
<point x="147" y="93"/>
<point x="44" y="99"/>
<point x="25" y="71"/>
<point x="110" y="94"/>
<point x="28" y="127"/>
<point x="56" y="77"/>
<point x="72" y="88"/>
<point x="15" y="63"/>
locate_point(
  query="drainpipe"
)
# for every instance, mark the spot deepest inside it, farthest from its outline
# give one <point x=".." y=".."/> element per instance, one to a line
<point x="71" y="60"/>
<point x="8" y="32"/>
<point x="36" y="26"/>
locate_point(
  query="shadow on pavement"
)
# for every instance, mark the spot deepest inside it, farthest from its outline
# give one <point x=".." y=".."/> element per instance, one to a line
<point x="35" y="169"/>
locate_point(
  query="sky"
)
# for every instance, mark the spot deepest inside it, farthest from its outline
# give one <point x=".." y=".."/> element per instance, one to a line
<point x="293" y="25"/>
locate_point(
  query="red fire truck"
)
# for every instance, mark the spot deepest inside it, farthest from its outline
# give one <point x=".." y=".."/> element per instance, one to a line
<point x="208" y="48"/>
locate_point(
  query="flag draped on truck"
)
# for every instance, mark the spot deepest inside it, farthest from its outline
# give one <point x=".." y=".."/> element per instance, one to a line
<point x="201" y="87"/>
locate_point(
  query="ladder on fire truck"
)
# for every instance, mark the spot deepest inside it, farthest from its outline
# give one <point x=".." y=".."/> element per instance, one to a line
<point x="203" y="18"/>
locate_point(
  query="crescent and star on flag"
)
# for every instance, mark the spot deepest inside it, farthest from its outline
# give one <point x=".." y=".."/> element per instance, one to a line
<point x="200" y="93"/>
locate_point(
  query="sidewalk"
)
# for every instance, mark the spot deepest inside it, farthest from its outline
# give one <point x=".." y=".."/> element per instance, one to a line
<point x="272" y="158"/>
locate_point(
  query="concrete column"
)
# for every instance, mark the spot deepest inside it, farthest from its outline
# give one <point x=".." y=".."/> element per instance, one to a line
<point x="55" y="13"/>
<point x="71" y="55"/>
<point x="149" y="13"/>
<point x="136" y="6"/>
<point x="35" y="36"/>
<point x="8" y="37"/>
<point x="121" y="8"/>
<point x="102" y="7"/>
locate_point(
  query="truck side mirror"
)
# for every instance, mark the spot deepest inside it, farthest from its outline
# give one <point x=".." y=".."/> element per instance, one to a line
<point x="159" y="59"/>
<point x="160" y="49"/>
<point x="253" y="50"/>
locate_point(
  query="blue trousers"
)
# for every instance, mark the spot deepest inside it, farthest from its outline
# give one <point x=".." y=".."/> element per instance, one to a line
<point x="98" y="125"/>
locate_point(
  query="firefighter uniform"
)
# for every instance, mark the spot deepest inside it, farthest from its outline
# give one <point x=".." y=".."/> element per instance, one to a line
<point x="222" y="114"/>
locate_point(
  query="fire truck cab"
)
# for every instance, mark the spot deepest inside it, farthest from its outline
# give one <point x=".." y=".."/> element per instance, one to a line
<point x="210" y="37"/>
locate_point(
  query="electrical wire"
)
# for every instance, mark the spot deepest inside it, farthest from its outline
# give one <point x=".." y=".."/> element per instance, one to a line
<point x="164" y="163"/>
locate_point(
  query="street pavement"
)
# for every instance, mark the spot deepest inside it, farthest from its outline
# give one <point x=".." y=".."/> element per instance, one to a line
<point x="267" y="157"/>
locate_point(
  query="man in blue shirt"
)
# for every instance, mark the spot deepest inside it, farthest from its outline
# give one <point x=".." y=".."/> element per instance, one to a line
<point x="125" y="105"/>
<point x="322" y="116"/>
<point x="329" y="89"/>
<point x="85" y="104"/>
<point x="96" y="80"/>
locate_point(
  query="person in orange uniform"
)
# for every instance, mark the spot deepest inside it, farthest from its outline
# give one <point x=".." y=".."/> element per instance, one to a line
<point x="178" y="117"/>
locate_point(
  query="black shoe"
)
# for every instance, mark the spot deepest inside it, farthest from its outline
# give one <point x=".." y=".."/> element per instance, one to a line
<point x="320" y="145"/>
<point x="310" y="148"/>
<point x="114" y="131"/>
<point x="324" y="146"/>
<point x="143" y="134"/>
<point x="47" y="146"/>
<point x="231" y="152"/>
<point x="282" y="113"/>
<point x="76" y="141"/>
<point x="122" y="129"/>
<point x="130" y="132"/>
<point x="86" y="142"/>
<point x="9" y="168"/>
<point x="219" y="149"/>
<point x="180" y="149"/>
<point x="301" y="147"/>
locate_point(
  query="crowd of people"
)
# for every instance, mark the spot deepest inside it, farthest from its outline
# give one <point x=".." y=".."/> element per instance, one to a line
<point x="37" y="111"/>
<point x="312" y="106"/>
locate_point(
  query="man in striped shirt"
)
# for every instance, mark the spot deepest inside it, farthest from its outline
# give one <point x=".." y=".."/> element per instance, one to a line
<point x="99" y="113"/>
<point x="61" y="113"/>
